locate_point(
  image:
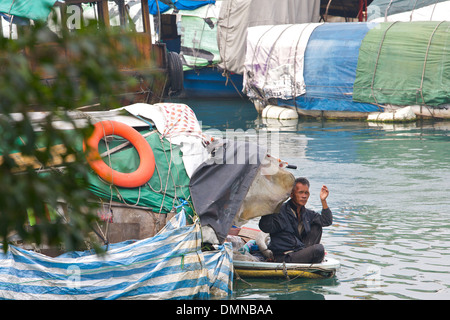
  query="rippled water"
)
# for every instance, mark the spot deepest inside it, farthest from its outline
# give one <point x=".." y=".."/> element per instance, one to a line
<point x="389" y="193"/>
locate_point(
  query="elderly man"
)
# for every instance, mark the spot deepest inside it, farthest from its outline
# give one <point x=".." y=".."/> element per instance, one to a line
<point x="295" y="231"/>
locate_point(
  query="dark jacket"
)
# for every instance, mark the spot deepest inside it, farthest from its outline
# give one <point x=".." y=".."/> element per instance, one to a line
<point x="283" y="226"/>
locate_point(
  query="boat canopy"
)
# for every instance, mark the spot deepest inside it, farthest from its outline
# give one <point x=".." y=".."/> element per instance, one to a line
<point x="331" y="59"/>
<point x="274" y="60"/>
<point x="358" y="67"/>
<point x="405" y="63"/>
<point x="237" y="15"/>
<point x="311" y="66"/>
<point x="407" y="10"/>
<point x="198" y="31"/>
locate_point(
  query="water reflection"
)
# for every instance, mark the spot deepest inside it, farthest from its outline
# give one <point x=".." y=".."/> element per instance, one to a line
<point x="298" y="289"/>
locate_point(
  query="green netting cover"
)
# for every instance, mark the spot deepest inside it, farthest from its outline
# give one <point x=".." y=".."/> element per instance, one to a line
<point x="405" y="63"/>
<point x="168" y="183"/>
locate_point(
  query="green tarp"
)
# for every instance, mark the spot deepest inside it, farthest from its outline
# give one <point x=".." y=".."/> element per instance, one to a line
<point x="405" y="63"/>
<point x="199" y="42"/>
<point x="31" y="9"/>
<point x="168" y="184"/>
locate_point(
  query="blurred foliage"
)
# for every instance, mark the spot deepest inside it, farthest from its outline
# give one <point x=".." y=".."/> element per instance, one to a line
<point x="80" y="69"/>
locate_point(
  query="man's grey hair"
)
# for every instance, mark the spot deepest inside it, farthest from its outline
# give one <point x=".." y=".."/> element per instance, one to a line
<point x="301" y="180"/>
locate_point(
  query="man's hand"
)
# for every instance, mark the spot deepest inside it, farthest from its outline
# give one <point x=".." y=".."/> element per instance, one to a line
<point x="323" y="196"/>
<point x="324" y="193"/>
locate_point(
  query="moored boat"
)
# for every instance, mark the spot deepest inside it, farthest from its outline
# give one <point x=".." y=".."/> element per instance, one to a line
<point x="183" y="186"/>
<point x="153" y="244"/>
<point x="345" y="70"/>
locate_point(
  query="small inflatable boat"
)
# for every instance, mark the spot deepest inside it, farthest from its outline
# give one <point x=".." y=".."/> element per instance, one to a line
<point x="262" y="269"/>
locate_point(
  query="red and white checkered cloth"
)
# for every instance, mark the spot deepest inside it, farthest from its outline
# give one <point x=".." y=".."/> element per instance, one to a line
<point x="180" y="120"/>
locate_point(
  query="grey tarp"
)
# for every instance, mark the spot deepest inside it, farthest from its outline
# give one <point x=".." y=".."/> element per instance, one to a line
<point x="236" y="15"/>
<point x="218" y="187"/>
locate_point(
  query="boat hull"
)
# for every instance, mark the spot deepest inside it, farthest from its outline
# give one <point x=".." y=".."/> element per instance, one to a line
<point x="210" y="83"/>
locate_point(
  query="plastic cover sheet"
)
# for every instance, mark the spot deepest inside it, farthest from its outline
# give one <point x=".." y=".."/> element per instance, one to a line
<point x="331" y="58"/>
<point x="237" y="15"/>
<point x="274" y="60"/>
<point x="438" y="11"/>
<point x="169" y="265"/>
<point x="177" y="123"/>
<point x="385" y="8"/>
<point x="231" y="34"/>
<point x="218" y="187"/>
<point x="270" y="188"/>
<point x="405" y="63"/>
<point x="220" y="269"/>
<point x="199" y="42"/>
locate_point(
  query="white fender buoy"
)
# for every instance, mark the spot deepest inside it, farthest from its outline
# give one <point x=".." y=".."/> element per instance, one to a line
<point x="400" y="115"/>
<point x="280" y="113"/>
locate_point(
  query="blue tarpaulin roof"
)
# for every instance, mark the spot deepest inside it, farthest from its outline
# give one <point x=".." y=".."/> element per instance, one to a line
<point x="330" y="64"/>
<point x="179" y="4"/>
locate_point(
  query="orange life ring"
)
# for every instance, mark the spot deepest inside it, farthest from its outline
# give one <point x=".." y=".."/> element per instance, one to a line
<point x="128" y="180"/>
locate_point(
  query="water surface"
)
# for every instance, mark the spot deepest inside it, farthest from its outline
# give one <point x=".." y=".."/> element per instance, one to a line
<point x="389" y="193"/>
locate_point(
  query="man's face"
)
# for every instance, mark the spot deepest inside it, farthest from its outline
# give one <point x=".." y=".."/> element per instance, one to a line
<point x="300" y="194"/>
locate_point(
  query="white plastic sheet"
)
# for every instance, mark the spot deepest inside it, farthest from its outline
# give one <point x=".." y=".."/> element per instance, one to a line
<point x="274" y="60"/>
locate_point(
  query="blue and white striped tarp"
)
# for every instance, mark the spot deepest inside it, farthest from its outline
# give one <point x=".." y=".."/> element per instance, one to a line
<point x="169" y="265"/>
<point x="220" y="269"/>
